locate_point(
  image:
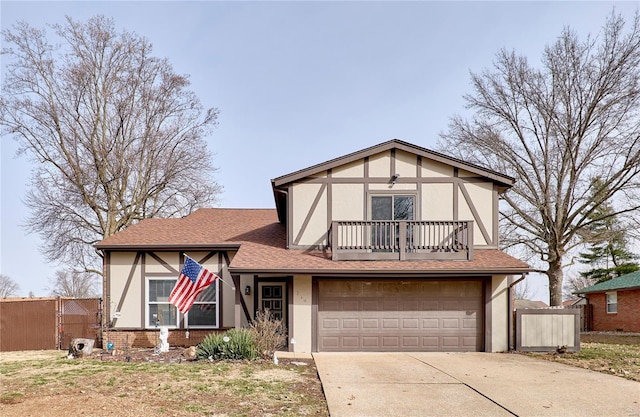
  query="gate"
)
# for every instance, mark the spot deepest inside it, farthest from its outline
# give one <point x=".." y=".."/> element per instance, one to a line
<point x="79" y="318"/>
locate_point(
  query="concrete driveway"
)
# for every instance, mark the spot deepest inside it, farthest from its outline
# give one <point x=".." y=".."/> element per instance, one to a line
<point x="468" y="384"/>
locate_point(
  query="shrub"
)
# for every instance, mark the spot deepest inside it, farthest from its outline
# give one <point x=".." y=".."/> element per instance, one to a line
<point x="268" y="333"/>
<point x="234" y="344"/>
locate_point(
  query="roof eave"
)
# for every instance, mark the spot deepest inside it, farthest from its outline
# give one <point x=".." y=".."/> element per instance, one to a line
<point x="465" y="272"/>
<point x="168" y="247"/>
<point x="636" y="287"/>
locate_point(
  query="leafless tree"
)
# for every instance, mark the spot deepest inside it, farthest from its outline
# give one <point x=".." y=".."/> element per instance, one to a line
<point x="116" y="134"/>
<point x="557" y="127"/>
<point x="523" y="290"/>
<point x="8" y="287"/>
<point x="575" y="282"/>
<point x="69" y="283"/>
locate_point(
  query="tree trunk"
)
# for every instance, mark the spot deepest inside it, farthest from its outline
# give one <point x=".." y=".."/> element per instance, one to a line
<point x="556" y="276"/>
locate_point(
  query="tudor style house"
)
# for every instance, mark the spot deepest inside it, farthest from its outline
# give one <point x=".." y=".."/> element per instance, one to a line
<point x="391" y="248"/>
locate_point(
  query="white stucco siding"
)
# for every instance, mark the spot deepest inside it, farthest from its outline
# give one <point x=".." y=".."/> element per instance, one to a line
<point x="380" y="165"/>
<point x="120" y="268"/>
<point x="406" y="164"/>
<point x="393" y="187"/>
<point x="348" y="202"/>
<point x="499" y="305"/>
<point x="481" y="195"/>
<point x="302" y="313"/>
<point x="309" y="223"/>
<point x="432" y="168"/>
<point x="437" y="202"/>
<point x="352" y="170"/>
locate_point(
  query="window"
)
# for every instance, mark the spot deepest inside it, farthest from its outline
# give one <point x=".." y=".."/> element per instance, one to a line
<point x="385" y="237"/>
<point x="204" y="312"/>
<point x="159" y="311"/>
<point x="612" y="302"/>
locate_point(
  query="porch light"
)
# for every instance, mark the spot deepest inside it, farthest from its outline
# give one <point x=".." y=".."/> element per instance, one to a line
<point x="247" y="290"/>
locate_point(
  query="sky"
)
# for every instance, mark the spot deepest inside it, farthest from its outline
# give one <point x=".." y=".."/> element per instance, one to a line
<point x="298" y="83"/>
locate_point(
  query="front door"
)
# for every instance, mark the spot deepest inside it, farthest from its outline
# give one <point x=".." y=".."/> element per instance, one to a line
<point x="272" y="296"/>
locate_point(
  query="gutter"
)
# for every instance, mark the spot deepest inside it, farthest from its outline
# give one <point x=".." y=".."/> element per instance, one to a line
<point x="511" y="344"/>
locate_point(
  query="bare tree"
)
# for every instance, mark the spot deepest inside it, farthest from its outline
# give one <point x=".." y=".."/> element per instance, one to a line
<point x="555" y="128"/>
<point x="8" y="287"/>
<point x="575" y="283"/>
<point x="69" y="283"/>
<point x="116" y="134"/>
<point x="523" y="290"/>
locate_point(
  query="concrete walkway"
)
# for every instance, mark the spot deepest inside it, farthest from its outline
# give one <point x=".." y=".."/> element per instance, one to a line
<point x="468" y="384"/>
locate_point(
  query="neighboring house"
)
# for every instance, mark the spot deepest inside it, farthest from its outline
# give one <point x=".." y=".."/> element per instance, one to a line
<point x="616" y="303"/>
<point x="523" y="303"/>
<point x="394" y="247"/>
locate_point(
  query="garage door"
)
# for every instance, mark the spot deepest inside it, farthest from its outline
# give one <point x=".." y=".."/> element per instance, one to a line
<point x="399" y="315"/>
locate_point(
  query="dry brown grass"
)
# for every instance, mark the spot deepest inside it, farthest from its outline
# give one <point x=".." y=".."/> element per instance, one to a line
<point x="51" y="385"/>
<point x="611" y="353"/>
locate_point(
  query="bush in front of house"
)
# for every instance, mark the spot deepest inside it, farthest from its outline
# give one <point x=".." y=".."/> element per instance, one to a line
<point x="234" y="344"/>
<point x="269" y="334"/>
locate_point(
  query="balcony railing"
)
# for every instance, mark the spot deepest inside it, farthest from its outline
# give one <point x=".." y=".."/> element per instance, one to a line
<point x="401" y="240"/>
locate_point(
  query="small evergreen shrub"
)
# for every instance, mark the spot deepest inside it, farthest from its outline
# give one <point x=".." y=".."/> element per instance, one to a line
<point x="234" y="344"/>
<point x="268" y="333"/>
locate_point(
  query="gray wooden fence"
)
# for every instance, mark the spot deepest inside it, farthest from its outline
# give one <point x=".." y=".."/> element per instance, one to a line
<point x="548" y="329"/>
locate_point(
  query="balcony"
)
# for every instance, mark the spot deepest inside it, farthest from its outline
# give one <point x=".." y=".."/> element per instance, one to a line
<point x="401" y="240"/>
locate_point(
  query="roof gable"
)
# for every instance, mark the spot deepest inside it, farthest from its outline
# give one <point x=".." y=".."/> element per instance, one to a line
<point x="501" y="179"/>
<point x="625" y="282"/>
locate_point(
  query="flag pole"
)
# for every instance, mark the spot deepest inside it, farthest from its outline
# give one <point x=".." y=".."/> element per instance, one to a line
<point x="219" y="277"/>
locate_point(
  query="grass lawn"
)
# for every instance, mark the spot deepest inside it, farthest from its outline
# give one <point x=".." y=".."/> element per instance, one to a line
<point x="609" y="353"/>
<point x="56" y="386"/>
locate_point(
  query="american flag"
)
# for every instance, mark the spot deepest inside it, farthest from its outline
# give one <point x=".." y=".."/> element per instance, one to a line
<point x="193" y="279"/>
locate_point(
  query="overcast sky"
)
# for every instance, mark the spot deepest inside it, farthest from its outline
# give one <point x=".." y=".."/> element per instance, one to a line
<point x="298" y="83"/>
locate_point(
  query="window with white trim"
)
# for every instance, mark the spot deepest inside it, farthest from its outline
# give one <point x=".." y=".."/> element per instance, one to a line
<point x="612" y="302"/>
<point x="159" y="311"/>
<point x="204" y="312"/>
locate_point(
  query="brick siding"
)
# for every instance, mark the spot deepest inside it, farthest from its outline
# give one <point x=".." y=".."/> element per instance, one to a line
<point x="627" y="319"/>
<point x="123" y="339"/>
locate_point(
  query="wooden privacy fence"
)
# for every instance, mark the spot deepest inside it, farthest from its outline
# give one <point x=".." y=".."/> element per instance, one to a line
<point x="48" y="323"/>
<point x="547" y="329"/>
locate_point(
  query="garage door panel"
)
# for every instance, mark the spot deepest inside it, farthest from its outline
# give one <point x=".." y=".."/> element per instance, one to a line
<point x="378" y="316"/>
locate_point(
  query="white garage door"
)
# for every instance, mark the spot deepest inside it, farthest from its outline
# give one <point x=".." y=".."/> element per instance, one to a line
<point x="399" y="315"/>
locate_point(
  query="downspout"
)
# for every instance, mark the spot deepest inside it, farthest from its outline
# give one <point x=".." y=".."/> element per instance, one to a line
<point x="511" y="346"/>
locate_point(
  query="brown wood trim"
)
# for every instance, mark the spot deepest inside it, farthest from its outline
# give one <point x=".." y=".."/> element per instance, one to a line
<point x="496" y="215"/>
<point x="106" y="289"/>
<point x="392" y="165"/>
<point x="289" y="216"/>
<point x="143" y="290"/>
<point x="419" y="166"/>
<point x="488" y="317"/>
<point x="240" y="298"/>
<point x="290" y="316"/>
<point x="476" y="215"/>
<point x="385" y="180"/>
<point x="163" y="262"/>
<point x="314" y="314"/>
<point x="456" y="204"/>
<point x="310" y="213"/>
<point x="329" y="203"/>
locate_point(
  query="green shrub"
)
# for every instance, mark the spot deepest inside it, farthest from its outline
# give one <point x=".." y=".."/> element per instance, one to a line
<point x="234" y="344"/>
<point x="268" y="333"/>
